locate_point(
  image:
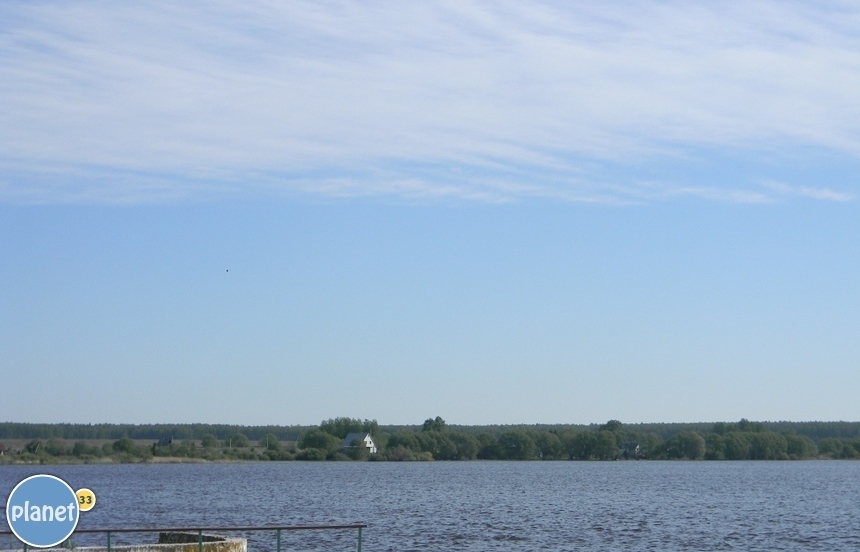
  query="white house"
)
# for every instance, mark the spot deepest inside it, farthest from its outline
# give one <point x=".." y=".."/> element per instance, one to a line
<point x="365" y="438"/>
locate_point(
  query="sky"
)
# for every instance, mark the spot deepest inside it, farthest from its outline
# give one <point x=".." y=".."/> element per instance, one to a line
<point x="495" y="212"/>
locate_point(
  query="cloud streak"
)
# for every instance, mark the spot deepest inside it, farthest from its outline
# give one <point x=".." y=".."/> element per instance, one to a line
<point x="465" y="100"/>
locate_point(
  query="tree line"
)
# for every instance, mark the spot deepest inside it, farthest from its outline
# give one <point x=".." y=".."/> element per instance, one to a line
<point x="613" y="441"/>
<point x="15" y="430"/>
<point x="436" y="440"/>
<point x="816" y="431"/>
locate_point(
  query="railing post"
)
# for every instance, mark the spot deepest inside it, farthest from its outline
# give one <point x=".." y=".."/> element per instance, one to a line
<point x="200" y="540"/>
<point x="108" y="535"/>
<point x="279" y="540"/>
<point x="359" y="539"/>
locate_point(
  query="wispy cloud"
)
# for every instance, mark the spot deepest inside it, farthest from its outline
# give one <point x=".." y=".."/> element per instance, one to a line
<point x="486" y="101"/>
<point x="826" y="194"/>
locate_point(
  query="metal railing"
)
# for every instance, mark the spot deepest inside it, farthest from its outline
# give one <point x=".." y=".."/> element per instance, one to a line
<point x="278" y="529"/>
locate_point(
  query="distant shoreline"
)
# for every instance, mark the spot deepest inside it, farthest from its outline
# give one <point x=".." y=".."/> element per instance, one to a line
<point x="22" y="443"/>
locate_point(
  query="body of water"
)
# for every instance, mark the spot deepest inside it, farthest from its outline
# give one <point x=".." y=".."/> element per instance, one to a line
<point x="481" y="506"/>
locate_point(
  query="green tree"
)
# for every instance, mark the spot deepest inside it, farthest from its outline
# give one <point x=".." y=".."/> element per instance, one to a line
<point x="341" y="427"/>
<point x="209" y="441"/>
<point x="800" y="447"/>
<point x="517" y="445"/>
<point x="466" y="446"/>
<point x="399" y="454"/>
<point x="747" y="426"/>
<point x="125" y="445"/>
<point x="737" y="445"/>
<point x="56" y="447"/>
<point x="370" y="426"/>
<point x="80" y="448"/>
<point x="715" y="446"/>
<point x="580" y="445"/>
<point x="270" y="442"/>
<point x="548" y="445"/>
<point x="404" y="439"/>
<point x="314" y="454"/>
<point x="187" y="449"/>
<point x="687" y="444"/>
<point x="357" y="450"/>
<point x="438" y="444"/>
<point x="768" y="446"/>
<point x="850" y="449"/>
<point x="488" y="447"/>
<point x="35" y="446"/>
<point x="318" y="439"/>
<point x="236" y="440"/>
<point x="612" y="425"/>
<point x="280" y="454"/>
<point x="651" y="446"/>
<point x="606" y="446"/>
<point x="431" y="424"/>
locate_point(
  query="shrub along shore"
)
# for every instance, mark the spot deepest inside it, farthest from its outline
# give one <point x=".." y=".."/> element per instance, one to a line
<point x="433" y="440"/>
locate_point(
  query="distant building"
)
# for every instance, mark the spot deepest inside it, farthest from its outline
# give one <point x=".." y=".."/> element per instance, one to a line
<point x="365" y="438"/>
<point x="631" y="450"/>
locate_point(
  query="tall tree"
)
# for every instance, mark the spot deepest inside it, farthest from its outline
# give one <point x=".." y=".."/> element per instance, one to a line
<point x="437" y="424"/>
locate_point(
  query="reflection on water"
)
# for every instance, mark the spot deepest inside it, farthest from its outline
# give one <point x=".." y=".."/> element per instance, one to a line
<point x="487" y="505"/>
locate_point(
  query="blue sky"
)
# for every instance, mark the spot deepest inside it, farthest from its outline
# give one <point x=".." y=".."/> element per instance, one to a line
<point x="488" y="211"/>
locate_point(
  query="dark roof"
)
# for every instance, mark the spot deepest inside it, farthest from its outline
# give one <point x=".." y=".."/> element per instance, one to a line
<point x="347" y="442"/>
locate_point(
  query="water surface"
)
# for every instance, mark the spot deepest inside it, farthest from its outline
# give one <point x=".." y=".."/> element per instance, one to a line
<point x="480" y="506"/>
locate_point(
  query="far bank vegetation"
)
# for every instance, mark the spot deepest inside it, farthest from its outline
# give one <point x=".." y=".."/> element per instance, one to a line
<point x="433" y="440"/>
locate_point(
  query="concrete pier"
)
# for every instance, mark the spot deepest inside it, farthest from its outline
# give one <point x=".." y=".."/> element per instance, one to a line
<point x="172" y="542"/>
